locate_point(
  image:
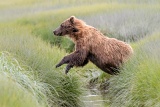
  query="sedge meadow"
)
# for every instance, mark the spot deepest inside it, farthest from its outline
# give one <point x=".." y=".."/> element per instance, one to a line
<point x="29" y="52"/>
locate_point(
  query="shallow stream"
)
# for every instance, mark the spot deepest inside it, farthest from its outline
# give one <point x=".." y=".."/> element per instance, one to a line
<point x="93" y="98"/>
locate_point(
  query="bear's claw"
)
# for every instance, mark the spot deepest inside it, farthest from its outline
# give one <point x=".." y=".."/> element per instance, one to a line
<point x="68" y="67"/>
<point x="58" y="65"/>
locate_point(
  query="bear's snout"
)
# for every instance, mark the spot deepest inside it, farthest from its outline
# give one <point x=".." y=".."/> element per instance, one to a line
<point x="58" y="32"/>
<point x="54" y="32"/>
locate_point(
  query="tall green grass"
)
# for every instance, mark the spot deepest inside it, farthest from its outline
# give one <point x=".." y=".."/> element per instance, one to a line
<point x="42" y="58"/>
<point x="18" y="88"/>
<point x="25" y="24"/>
<point x="138" y="83"/>
<point x="12" y="95"/>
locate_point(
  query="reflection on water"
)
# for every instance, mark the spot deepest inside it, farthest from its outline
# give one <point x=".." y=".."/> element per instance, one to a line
<point x="93" y="98"/>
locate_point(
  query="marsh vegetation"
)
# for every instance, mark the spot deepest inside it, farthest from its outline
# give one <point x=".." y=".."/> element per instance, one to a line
<point x="29" y="52"/>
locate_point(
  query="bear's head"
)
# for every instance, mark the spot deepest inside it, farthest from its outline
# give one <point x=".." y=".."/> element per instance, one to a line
<point x="68" y="27"/>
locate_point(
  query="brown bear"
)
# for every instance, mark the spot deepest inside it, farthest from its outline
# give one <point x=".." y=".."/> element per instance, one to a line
<point x="106" y="53"/>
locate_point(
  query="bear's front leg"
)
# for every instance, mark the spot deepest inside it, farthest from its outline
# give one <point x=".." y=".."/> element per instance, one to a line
<point x="71" y="64"/>
<point x="77" y="58"/>
<point x="68" y="67"/>
<point x="65" y="60"/>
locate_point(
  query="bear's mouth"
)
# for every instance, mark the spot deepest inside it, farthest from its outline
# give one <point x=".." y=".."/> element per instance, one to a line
<point x="59" y="34"/>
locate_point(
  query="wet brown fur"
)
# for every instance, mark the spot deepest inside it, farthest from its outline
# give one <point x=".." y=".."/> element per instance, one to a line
<point x="91" y="45"/>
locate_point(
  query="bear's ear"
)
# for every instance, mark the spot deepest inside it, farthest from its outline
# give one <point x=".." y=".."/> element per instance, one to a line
<point x="72" y="18"/>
